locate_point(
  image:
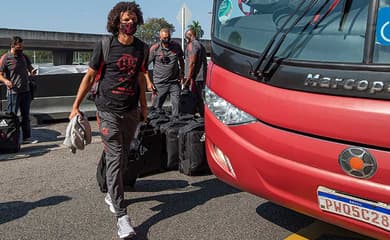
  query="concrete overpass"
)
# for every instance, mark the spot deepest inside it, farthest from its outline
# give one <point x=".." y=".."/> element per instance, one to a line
<point x="62" y="44"/>
<point x="56" y="93"/>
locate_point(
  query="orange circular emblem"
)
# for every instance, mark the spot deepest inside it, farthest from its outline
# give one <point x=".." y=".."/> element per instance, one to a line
<point x="357" y="162"/>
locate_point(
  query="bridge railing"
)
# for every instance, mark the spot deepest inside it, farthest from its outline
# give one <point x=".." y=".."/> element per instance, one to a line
<point x="55" y="95"/>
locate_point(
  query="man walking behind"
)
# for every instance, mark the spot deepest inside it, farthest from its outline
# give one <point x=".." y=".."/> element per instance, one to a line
<point x="120" y="90"/>
<point x="15" y="68"/>
<point x="168" y="70"/>
<point x="196" y="67"/>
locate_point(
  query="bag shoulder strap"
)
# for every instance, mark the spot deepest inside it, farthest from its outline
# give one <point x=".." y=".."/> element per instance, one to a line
<point x="24" y="58"/>
<point x="106" y="45"/>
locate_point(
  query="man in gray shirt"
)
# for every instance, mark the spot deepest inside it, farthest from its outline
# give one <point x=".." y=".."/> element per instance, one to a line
<point x="15" y="68"/>
<point x="196" y="67"/>
<point x="168" y="70"/>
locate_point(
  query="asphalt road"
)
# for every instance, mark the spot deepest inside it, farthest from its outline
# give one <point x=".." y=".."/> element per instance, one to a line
<point x="46" y="192"/>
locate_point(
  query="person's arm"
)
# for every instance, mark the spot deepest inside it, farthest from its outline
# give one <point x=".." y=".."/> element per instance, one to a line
<point x="149" y="84"/>
<point x="85" y="86"/>
<point x="6" y="82"/>
<point x="3" y="79"/>
<point x="151" y="58"/>
<point x="142" y="96"/>
<point x="181" y="73"/>
<point x="30" y="68"/>
<point x="88" y="79"/>
<point x="191" y="69"/>
<point x="180" y="57"/>
<point x="143" y="76"/>
<point x="152" y="54"/>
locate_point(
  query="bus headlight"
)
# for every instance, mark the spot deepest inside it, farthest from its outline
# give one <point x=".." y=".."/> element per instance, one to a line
<point x="225" y="111"/>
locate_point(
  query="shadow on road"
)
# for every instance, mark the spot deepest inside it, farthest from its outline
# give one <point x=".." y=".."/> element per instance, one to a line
<point x="10" y="211"/>
<point x="48" y="139"/>
<point x="160" y="185"/>
<point x="304" y="225"/>
<point x="283" y="217"/>
<point x="43" y="134"/>
<point x="307" y="227"/>
<point x="28" y="151"/>
<point x="176" y="203"/>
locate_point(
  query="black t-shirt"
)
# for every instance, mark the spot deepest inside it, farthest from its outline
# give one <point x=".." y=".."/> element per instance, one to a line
<point x="118" y="89"/>
<point x="196" y="48"/>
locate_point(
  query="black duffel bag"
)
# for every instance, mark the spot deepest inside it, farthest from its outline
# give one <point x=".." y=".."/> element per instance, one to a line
<point x="9" y="133"/>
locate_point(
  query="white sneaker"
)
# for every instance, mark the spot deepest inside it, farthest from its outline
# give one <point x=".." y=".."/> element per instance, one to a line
<point x="125" y="229"/>
<point x="108" y="200"/>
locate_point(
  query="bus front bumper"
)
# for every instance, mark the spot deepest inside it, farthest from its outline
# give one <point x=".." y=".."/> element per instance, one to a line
<point x="289" y="169"/>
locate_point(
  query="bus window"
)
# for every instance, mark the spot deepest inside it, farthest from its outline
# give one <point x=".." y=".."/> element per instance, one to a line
<point x="382" y="46"/>
<point x="326" y="33"/>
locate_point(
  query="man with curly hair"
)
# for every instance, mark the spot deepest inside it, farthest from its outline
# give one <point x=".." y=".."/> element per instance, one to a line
<point x="121" y="88"/>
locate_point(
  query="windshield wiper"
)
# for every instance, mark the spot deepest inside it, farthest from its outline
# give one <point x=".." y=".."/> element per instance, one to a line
<point x="258" y="63"/>
<point x="346" y="9"/>
<point x="262" y="69"/>
<point x="259" y="70"/>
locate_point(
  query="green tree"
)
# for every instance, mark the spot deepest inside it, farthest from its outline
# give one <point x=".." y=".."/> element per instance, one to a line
<point x="39" y="56"/>
<point x="149" y="31"/>
<point x="197" y="29"/>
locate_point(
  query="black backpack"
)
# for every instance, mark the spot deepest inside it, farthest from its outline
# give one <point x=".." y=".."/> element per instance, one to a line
<point x="192" y="150"/>
<point x="187" y="102"/>
<point x="129" y="178"/>
<point x="9" y="133"/>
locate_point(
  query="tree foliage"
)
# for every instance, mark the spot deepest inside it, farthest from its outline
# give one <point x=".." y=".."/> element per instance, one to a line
<point x="149" y="31"/>
<point x="39" y="56"/>
<point x="197" y="29"/>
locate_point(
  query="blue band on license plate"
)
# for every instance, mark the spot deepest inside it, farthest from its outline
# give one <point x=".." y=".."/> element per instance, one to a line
<point x="355" y="202"/>
<point x="374" y="213"/>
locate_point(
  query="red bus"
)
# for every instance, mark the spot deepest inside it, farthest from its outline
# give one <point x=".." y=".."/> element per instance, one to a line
<point x="297" y="106"/>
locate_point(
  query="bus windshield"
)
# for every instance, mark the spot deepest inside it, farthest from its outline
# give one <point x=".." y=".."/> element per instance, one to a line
<point x="330" y="31"/>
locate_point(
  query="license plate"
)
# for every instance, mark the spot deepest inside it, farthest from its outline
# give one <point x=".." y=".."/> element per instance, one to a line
<point x="377" y="214"/>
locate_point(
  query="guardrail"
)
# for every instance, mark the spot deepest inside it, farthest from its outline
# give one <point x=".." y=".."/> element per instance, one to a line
<point x="55" y="95"/>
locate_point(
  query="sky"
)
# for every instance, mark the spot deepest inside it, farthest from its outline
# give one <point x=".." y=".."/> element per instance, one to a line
<point x="90" y="16"/>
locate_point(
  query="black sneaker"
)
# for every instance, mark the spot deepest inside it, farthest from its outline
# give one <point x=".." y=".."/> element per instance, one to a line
<point x="29" y="141"/>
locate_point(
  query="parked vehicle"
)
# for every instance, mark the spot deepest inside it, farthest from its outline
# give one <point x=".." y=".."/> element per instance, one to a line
<point x="297" y="106"/>
<point x="56" y="89"/>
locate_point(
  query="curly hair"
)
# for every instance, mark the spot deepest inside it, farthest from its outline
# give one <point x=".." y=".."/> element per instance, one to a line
<point x="113" y="18"/>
